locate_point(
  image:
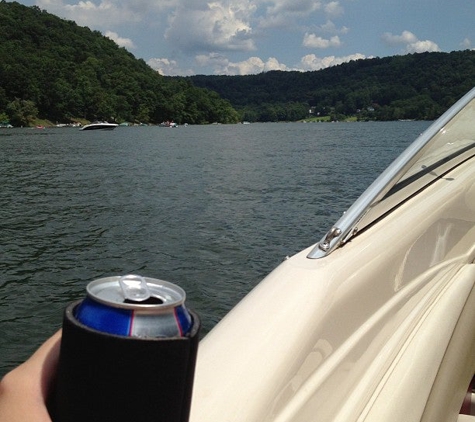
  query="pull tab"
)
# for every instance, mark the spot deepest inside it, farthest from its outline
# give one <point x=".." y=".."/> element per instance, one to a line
<point x="134" y="288"/>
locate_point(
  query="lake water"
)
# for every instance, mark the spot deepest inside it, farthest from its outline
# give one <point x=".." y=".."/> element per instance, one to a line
<point x="211" y="208"/>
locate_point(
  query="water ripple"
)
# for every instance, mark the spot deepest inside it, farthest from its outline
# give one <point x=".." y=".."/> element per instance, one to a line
<point x="212" y="208"/>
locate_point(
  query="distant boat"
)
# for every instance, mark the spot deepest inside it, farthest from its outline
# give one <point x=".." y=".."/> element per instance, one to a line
<point x="100" y="126"/>
<point x="168" y="124"/>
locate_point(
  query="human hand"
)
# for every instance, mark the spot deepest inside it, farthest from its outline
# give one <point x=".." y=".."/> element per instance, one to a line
<point x="24" y="391"/>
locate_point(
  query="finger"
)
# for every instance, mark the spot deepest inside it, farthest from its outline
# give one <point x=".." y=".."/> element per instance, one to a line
<point x="42" y="364"/>
<point x="23" y="391"/>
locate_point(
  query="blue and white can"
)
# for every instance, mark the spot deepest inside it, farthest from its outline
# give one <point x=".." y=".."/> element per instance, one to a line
<point x="135" y="306"/>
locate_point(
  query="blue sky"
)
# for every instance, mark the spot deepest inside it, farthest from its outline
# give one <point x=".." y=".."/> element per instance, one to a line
<point x="238" y="37"/>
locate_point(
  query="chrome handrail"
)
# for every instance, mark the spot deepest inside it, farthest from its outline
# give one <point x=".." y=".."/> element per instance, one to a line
<point x="347" y="226"/>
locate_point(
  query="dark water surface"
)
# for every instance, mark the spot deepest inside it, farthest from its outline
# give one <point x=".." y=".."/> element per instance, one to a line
<point x="211" y="208"/>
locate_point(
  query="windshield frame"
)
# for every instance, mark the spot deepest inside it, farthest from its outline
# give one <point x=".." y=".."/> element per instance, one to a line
<point x="427" y="159"/>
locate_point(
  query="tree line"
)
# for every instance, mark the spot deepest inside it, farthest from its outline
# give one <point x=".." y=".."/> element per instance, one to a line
<point x="53" y="69"/>
<point x="415" y="86"/>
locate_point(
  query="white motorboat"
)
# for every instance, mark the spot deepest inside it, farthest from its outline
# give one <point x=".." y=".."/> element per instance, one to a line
<point x="374" y="323"/>
<point x="100" y="126"/>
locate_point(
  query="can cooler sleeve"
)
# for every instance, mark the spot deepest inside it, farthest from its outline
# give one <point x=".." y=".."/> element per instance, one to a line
<point x="108" y="377"/>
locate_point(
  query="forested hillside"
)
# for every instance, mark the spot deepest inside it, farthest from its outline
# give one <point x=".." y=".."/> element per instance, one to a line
<point x="416" y="86"/>
<point x="53" y="69"/>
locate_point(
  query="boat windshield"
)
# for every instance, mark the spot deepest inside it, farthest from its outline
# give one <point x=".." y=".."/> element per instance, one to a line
<point x="446" y="148"/>
<point x="449" y="141"/>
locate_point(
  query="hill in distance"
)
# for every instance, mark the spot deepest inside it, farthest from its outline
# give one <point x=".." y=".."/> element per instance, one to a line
<point x="56" y="70"/>
<point x="53" y="69"/>
<point x="416" y="86"/>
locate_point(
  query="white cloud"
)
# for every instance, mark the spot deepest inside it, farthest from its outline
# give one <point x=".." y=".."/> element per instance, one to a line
<point x="168" y="67"/>
<point x="210" y="29"/>
<point x="253" y="65"/>
<point x="121" y="42"/>
<point x="104" y="11"/>
<point x="88" y="13"/>
<point x="273" y="64"/>
<point x="312" y="62"/>
<point x="214" y="60"/>
<point x="147" y="7"/>
<point x="313" y="41"/>
<point x="293" y="6"/>
<point x="334" y="8"/>
<point x="422" y="46"/>
<point x="406" y="37"/>
<point x="286" y="13"/>
<point x="207" y="29"/>
<point x="466" y="44"/>
<point x="330" y="28"/>
<point x="410" y="43"/>
<point x="216" y="26"/>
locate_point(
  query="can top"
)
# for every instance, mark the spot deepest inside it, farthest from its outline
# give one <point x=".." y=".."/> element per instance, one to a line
<point x="136" y="292"/>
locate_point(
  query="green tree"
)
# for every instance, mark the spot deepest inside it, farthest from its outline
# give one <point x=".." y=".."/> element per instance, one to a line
<point x="4" y="118"/>
<point x="21" y="112"/>
<point x="72" y="72"/>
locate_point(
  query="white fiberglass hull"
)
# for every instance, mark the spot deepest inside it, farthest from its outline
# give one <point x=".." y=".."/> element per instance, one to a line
<point x="382" y="329"/>
<point x="100" y="126"/>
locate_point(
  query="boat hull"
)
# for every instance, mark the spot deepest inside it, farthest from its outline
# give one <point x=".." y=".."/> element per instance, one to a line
<point x="381" y="330"/>
<point x="100" y="126"/>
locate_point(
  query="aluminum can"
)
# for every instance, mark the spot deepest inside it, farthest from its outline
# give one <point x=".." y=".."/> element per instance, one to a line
<point x="135" y="306"/>
<point x="128" y="353"/>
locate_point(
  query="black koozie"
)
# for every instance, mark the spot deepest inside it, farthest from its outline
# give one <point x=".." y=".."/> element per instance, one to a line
<point x="103" y="377"/>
